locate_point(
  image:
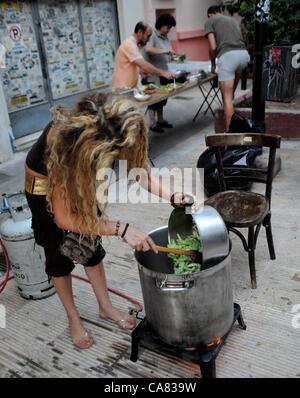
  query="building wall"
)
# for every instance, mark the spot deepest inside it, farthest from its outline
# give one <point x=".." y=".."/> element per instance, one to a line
<point x="190" y="16"/>
<point x="130" y="12"/>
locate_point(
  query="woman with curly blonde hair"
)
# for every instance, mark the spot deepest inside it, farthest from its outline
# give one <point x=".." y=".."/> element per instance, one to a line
<point x="61" y="172"/>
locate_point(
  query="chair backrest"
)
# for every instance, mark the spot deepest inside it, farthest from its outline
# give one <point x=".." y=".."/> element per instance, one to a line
<point x="225" y="173"/>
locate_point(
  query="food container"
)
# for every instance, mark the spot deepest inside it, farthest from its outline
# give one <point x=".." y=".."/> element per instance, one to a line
<point x="181" y="76"/>
<point x="140" y="96"/>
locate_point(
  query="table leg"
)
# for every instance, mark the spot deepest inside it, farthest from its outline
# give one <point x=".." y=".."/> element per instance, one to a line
<point x="205" y="96"/>
<point x="216" y="96"/>
<point x="207" y="100"/>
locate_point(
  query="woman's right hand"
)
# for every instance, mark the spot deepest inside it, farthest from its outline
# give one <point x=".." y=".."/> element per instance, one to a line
<point x="138" y="240"/>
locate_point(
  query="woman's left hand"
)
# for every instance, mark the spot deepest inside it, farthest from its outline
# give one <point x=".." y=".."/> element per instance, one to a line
<point x="179" y="199"/>
<point x="182" y="199"/>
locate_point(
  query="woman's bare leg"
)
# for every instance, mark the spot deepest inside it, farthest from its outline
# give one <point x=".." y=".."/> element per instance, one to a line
<point x="63" y="286"/>
<point x="97" y="278"/>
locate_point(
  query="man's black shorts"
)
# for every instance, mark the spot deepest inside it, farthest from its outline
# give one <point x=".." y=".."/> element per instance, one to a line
<point x="48" y="235"/>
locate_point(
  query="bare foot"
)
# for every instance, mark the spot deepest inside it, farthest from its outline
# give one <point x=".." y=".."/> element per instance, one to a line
<point x="79" y="335"/>
<point x="125" y="321"/>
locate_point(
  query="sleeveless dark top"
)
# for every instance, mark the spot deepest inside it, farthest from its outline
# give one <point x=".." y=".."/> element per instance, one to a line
<point x="35" y="159"/>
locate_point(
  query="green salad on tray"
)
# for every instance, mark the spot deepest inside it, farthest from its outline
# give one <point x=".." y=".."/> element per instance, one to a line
<point x="185" y="264"/>
<point x="171" y="87"/>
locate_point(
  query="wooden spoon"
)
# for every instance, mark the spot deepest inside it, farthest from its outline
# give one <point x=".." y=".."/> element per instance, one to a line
<point x="193" y="253"/>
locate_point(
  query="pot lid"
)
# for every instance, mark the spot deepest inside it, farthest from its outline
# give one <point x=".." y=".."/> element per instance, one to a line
<point x="211" y="227"/>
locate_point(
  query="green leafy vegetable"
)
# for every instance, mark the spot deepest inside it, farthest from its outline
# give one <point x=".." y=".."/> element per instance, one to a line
<point x="179" y="58"/>
<point x="171" y="86"/>
<point x="184" y="264"/>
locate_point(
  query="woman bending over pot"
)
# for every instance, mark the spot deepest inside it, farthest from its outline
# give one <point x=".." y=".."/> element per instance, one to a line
<point x="67" y="219"/>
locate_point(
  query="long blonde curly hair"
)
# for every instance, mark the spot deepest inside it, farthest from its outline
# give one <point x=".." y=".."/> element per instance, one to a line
<point x="88" y="139"/>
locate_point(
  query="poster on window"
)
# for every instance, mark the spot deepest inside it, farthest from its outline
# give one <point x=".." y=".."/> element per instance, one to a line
<point x="22" y="77"/>
<point x="99" y="27"/>
<point x="63" y="46"/>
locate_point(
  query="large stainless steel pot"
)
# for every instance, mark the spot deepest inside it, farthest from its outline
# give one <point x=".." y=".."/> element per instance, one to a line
<point x="185" y="310"/>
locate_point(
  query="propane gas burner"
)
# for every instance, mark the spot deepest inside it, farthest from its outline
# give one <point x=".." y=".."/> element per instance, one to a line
<point x="204" y="355"/>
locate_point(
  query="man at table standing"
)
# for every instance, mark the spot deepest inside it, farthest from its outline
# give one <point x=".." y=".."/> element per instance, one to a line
<point x="130" y="62"/>
<point x="159" y="53"/>
<point x="227" y="44"/>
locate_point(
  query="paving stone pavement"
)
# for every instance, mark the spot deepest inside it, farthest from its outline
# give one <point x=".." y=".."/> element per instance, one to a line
<point x="35" y="342"/>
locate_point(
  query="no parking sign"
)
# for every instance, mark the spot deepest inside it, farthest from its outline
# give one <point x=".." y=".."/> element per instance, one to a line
<point x="15" y="35"/>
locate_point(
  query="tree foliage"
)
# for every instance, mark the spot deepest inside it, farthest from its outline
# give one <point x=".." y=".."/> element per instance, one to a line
<point x="284" y="24"/>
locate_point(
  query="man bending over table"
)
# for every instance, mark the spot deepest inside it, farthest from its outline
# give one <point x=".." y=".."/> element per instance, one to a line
<point x="130" y="62"/>
<point x="226" y="44"/>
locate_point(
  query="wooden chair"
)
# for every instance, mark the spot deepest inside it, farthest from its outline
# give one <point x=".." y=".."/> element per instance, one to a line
<point x="243" y="209"/>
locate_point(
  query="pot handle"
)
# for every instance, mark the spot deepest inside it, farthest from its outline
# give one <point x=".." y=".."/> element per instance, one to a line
<point x="166" y="286"/>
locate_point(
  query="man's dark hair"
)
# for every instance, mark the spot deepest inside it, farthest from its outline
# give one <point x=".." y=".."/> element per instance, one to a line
<point x="214" y="10"/>
<point x="140" y="26"/>
<point x="165" y="20"/>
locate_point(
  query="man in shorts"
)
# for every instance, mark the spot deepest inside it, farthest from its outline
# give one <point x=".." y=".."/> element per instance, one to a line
<point x="227" y="46"/>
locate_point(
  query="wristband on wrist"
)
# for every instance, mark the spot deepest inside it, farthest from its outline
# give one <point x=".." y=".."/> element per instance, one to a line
<point x="125" y="230"/>
<point x="117" y="228"/>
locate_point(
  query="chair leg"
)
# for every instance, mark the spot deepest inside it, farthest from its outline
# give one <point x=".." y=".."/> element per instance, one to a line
<point x="251" y="256"/>
<point x="268" y="227"/>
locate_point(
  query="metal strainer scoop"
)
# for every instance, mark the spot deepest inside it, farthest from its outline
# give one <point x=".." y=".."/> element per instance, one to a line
<point x="211" y="227"/>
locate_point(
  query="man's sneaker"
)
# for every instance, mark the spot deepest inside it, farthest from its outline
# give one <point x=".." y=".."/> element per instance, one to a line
<point x="165" y="124"/>
<point x="157" y="129"/>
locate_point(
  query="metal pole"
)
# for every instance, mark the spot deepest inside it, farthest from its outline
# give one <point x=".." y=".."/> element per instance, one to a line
<point x="261" y="30"/>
